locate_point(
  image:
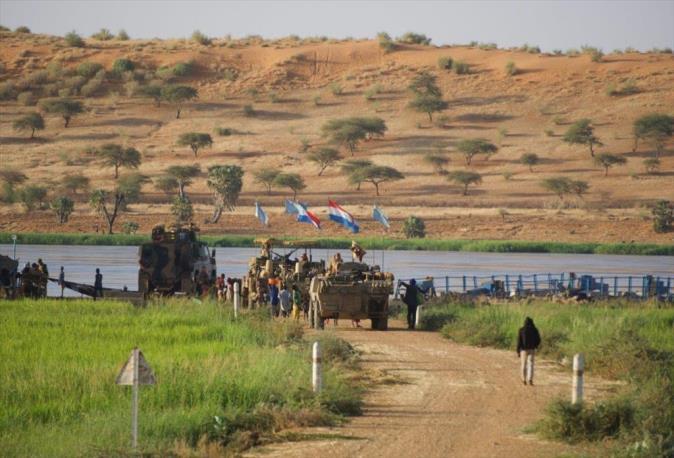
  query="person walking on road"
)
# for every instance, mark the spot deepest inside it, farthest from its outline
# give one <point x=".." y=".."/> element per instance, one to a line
<point x="98" y="284"/>
<point x="528" y="340"/>
<point x="411" y="299"/>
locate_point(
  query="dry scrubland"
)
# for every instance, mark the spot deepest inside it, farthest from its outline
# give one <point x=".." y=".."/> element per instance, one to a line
<point x="294" y="86"/>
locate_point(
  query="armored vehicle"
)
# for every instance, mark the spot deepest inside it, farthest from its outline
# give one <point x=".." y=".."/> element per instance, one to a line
<point x="287" y="268"/>
<point x="8" y="277"/>
<point x="174" y="262"/>
<point x="354" y="291"/>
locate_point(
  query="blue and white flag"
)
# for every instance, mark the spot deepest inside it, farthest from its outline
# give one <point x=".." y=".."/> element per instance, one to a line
<point x="290" y="207"/>
<point x="261" y="215"/>
<point x="379" y="215"/>
<point x="305" y="216"/>
<point x="341" y="216"/>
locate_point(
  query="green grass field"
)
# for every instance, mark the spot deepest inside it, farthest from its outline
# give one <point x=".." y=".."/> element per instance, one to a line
<point x="628" y="341"/>
<point x="59" y="360"/>
<point x="494" y="246"/>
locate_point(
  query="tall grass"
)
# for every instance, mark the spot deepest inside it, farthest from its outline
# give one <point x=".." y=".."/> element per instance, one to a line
<point x="627" y="341"/>
<point x="59" y="359"/>
<point x="379" y="243"/>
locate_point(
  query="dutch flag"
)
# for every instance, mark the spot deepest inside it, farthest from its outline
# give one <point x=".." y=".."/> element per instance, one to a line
<point x="261" y="215"/>
<point x="341" y="216"/>
<point x="305" y="216"/>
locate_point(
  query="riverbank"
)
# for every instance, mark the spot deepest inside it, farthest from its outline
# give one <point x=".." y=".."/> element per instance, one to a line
<point x="379" y="243"/>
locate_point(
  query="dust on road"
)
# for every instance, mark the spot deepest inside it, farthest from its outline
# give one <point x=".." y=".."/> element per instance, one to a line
<point x="456" y="401"/>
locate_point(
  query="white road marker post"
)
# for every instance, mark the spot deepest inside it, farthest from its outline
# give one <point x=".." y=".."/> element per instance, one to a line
<point x="135" y="372"/>
<point x="237" y="299"/>
<point x="578" y="369"/>
<point x="417" y="316"/>
<point x="316" y="381"/>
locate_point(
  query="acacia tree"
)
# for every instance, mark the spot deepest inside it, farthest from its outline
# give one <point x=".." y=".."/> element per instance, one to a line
<point x="582" y="133"/>
<point x="530" y="159"/>
<point x="375" y="174"/>
<point x="557" y="185"/>
<point x="608" y="160"/>
<point x="74" y="183"/>
<point x="183" y="175"/>
<point x="578" y="187"/>
<point x="195" y="140"/>
<point x="473" y="146"/>
<point x="66" y="108"/>
<point x="110" y="203"/>
<point x="151" y="91"/>
<point x="349" y="167"/>
<point x="428" y="104"/>
<point x="117" y="156"/>
<point x="10" y="178"/>
<point x="166" y="184"/>
<point x="32" y="195"/>
<point x="324" y="157"/>
<point x="31" y="121"/>
<point x="266" y="177"/>
<point x="226" y="182"/>
<point x="654" y="128"/>
<point x="437" y="161"/>
<point x="464" y="178"/>
<point x="63" y="207"/>
<point x="425" y="83"/>
<point x="292" y="181"/>
<point x="178" y="95"/>
<point x="351" y="131"/>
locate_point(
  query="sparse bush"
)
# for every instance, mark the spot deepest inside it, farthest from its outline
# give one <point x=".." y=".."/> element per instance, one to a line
<point x="438" y="161"/>
<point x="7" y="91"/>
<point x="26" y="98"/>
<point x="248" y="111"/>
<point x="200" y="38"/>
<point x="663" y="216"/>
<point x="414" y="228"/>
<point x="445" y="63"/>
<point x="102" y="35"/>
<point x="184" y="68"/>
<point x="31" y="121"/>
<point x="91" y="88"/>
<point x="464" y="178"/>
<point x="372" y="91"/>
<point x="317" y="100"/>
<point x="487" y="46"/>
<point x="130" y="227"/>
<point x="414" y="39"/>
<point x="230" y="74"/>
<point x="182" y="209"/>
<point x="651" y="165"/>
<point x="4" y="29"/>
<point x="74" y="40"/>
<point x="123" y="65"/>
<point x="558" y="185"/>
<point x="225" y="131"/>
<point x="32" y="196"/>
<point x="37" y="78"/>
<point x="63" y="206"/>
<point x="336" y="88"/>
<point x="88" y="69"/>
<point x="195" y="140"/>
<point x="507" y="175"/>
<point x="460" y="67"/>
<point x="385" y="42"/>
<point x="511" y="69"/>
<point x="75" y="183"/>
<point x="66" y="108"/>
<point x="530" y="159"/>
<point x="274" y="97"/>
<point x="22" y="29"/>
<point x="608" y="160"/>
<point x="122" y="35"/>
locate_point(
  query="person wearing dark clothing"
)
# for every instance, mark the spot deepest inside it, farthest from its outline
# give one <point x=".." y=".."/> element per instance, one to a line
<point x="62" y="280"/>
<point x="411" y="299"/>
<point x="98" y="284"/>
<point x="528" y="340"/>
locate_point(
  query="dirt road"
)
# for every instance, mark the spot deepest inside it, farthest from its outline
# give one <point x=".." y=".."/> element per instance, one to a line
<point x="458" y="401"/>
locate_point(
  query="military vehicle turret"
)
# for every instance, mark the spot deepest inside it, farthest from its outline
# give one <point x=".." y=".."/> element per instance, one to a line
<point x="286" y="267"/>
<point x="174" y="262"/>
<point x="351" y="290"/>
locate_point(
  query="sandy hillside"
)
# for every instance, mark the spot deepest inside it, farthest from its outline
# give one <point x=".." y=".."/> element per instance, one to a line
<point x="294" y="81"/>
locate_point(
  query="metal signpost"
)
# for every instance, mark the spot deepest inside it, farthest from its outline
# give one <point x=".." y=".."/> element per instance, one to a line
<point x="14" y="242"/>
<point x="135" y="372"/>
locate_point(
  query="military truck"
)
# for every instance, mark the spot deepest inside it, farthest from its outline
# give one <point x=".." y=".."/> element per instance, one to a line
<point x="172" y="262"/>
<point x="355" y="291"/>
<point x="286" y="267"/>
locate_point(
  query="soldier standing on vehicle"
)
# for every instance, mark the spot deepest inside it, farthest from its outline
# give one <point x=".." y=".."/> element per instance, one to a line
<point x="528" y="340"/>
<point x="98" y="284"/>
<point x="336" y="263"/>
<point x="357" y="252"/>
<point x="62" y="281"/>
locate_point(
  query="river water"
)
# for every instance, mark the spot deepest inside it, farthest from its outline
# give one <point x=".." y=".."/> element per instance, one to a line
<point x="119" y="266"/>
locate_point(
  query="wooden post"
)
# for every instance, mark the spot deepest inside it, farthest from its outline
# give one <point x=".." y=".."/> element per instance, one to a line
<point x="134" y="399"/>
<point x="316" y="381"/>
<point x="237" y="299"/>
<point x="578" y="369"/>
